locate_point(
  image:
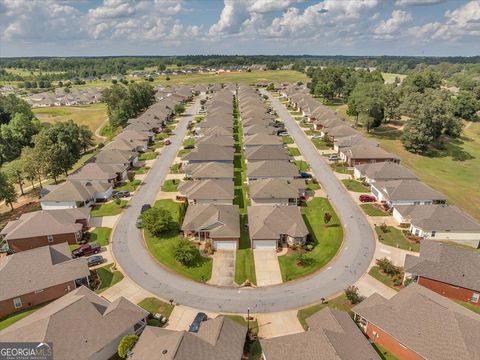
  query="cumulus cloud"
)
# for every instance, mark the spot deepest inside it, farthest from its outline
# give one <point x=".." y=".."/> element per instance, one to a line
<point x="418" y="2"/>
<point x="389" y="28"/>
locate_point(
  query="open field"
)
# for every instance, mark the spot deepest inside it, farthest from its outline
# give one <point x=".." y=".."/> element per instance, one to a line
<point x="390" y="77"/>
<point x="92" y="115"/>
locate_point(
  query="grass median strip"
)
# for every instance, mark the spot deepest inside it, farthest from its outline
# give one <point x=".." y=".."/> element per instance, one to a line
<point x="108" y="209"/>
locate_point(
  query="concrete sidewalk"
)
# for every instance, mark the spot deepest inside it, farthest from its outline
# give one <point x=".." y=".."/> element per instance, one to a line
<point x="278" y="324"/>
<point x="267" y="268"/>
<point x="368" y="285"/>
<point x="104" y="221"/>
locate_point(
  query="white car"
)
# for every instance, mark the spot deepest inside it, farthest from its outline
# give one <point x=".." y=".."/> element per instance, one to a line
<point x="317" y="136"/>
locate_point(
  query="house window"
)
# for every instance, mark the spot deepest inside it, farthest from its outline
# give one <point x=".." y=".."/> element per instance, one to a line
<point x="475" y="298"/>
<point x="50" y="238"/>
<point x="416" y="203"/>
<point x="17" y="302"/>
<point x="433" y="233"/>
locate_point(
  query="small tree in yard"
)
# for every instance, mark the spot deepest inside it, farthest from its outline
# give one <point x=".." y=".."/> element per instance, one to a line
<point x="7" y="191"/>
<point x="387" y="266"/>
<point x="126" y="344"/>
<point x="326" y="218"/>
<point x="353" y="295"/>
<point x="157" y="221"/>
<point x="185" y="252"/>
<point x="304" y="260"/>
<point x="179" y="109"/>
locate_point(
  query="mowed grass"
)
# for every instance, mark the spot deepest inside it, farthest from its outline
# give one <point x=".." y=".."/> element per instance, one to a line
<point x="13" y="318"/>
<point x="154" y="305"/>
<point x="383" y="278"/>
<point x="340" y="303"/>
<point x="161" y="248"/>
<point x="108" y="277"/>
<point x="327" y="240"/>
<point x="356" y="186"/>
<point x="394" y="237"/>
<point x="92" y="115"/>
<point x="371" y="210"/>
<point x="108" y="209"/>
<point x="245" y="267"/>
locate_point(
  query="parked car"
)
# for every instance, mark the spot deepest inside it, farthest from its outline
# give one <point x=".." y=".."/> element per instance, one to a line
<point x="87" y="249"/>
<point x="195" y="326"/>
<point x="167" y="142"/>
<point x="138" y="223"/>
<point x="367" y="198"/>
<point x="121" y="193"/>
<point x="145" y="207"/>
<point x="188" y="147"/>
<point x="305" y="175"/>
<point x="95" y="260"/>
<point x="333" y="157"/>
<point x="283" y="134"/>
<point x="317" y="136"/>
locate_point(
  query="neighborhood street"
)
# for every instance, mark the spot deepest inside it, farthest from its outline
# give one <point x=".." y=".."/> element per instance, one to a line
<point x="349" y="265"/>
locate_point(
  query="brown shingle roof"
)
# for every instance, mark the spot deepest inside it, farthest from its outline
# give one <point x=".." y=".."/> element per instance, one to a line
<point x="219" y="220"/>
<point x="256" y="153"/>
<point x="271" y="169"/>
<point x="208" y="189"/>
<point x="210" y="170"/>
<point x="272" y="189"/>
<point x="385" y="171"/>
<point x="271" y="221"/>
<point x="210" y="152"/>
<point x="407" y="190"/>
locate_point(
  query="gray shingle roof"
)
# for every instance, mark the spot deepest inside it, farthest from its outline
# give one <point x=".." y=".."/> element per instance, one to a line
<point x="262" y="139"/>
<point x="210" y="170"/>
<point x="210" y="152"/>
<point x="271" y="169"/>
<point x="366" y="151"/>
<point x="450" y="264"/>
<point x="425" y="322"/>
<point x="208" y="189"/>
<point x="219" y="220"/>
<point x="271" y="221"/>
<point x="385" y="171"/>
<point x="256" y="153"/>
<point x="407" y="190"/>
<point x="272" y="189"/>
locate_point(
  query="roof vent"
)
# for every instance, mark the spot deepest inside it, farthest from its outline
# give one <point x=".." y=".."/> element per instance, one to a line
<point x="164" y="351"/>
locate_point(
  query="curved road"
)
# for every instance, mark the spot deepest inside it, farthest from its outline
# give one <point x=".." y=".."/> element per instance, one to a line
<point x="349" y="265"/>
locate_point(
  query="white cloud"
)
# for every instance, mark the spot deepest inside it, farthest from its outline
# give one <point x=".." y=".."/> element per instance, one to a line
<point x="418" y="2"/>
<point x="387" y="29"/>
<point x="461" y="22"/>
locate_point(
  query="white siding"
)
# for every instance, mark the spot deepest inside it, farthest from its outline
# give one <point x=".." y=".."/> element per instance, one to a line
<point x="398" y="217"/>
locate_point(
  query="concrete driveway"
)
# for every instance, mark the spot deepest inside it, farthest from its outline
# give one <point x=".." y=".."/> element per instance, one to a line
<point x="223" y="268"/>
<point x="182" y="316"/>
<point x="278" y="324"/>
<point x="104" y="221"/>
<point x="267" y="269"/>
<point x="368" y="285"/>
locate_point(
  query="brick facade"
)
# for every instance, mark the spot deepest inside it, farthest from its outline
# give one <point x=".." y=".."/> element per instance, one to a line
<point x="447" y="290"/>
<point x="32" y="299"/>
<point x="383" y="339"/>
<point x="18" y="245"/>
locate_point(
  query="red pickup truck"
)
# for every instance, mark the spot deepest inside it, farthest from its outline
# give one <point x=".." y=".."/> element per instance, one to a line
<point x="87" y="249"/>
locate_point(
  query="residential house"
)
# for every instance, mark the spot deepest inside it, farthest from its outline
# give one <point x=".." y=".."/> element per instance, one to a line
<point x="271" y="169"/>
<point x="342" y="144"/>
<point x="366" y="154"/>
<point x="218" y="224"/>
<point x="80" y="325"/>
<point x="217" y="140"/>
<point x="204" y="153"/>
<point x="123" y="158"/>
<point x="219" y="338"/>
<point x="332" y="334"/>
<point x="417" y="323"/>
<point x="439" y="222"/>
<point x="260" y="153"/>
<point x="259" y="129"/>
<point x="90" y="172"/>
<point x="209" y="170"/>
<point x="340" y="131"/>
<point x="382" y="171"/>
<point x="46" y="227"/>
<point x="217" y="130"/>
<point x="274" y="192"/>
<point x="208" y="191"/>
<point x="261" y="139"/>
<point x="405" y="192"/>
<point x="271" y="226"/>
<point x="74" y="194"/>
<point x="36" y="276"/>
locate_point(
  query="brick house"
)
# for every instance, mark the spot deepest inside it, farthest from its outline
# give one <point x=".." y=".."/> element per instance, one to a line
<point x="449" y="270"/>
<point x="36" y="276"/>
<point x="417" y="323"/>
<point x="46" y="227"/>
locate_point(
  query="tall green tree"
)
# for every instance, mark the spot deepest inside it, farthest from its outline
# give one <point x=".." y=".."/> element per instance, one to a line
<point x="85" y="137"/>
<point x="465" y="105"/>
<point x="391" y="99"/>
<point x="7" y="191"/>
<point x="14" y="172"/>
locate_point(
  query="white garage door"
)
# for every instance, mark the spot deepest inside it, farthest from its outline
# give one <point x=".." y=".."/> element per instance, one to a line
<point x="265" y="244"/>
<point x="225" y="245"/>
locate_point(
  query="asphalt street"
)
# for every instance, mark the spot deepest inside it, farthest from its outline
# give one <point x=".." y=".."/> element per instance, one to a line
<point x="348" y="266"/>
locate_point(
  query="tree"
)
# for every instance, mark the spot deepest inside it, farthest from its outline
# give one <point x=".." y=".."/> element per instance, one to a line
<point x="353" y="109"/>
<point x="417" y="135"/>
<point x="14" y="172"/>
<point x="126" y="344"/>
<point x="10" y="146"/>
<point x="325" y="90"/>
<point x="465" y="106"/>
<point x="367" y="98"/>
<point x="158" y="221"/>
<point x="32" y="168"/>
<point x="391" y="99"/>
<point x="85" y="137"/>
<point x="387" y="266"/>
<point x="7" y="191"/>
<point x="179" y="109"/>
<point x="185" y="252"/>
<point x="327" y="217"/>
<point x="353" y="295"/>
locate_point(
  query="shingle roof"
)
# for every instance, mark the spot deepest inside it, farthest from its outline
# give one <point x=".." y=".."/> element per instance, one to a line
<point x="217" y="139"/>
<point x="272" y="189"/>
<point x="37" y="269"/>
<point x="219" y="338"/>
<point x="94" y="171"/>
<point x="266" y="153"/>
<point x="333" y="335"/>
<point x="262" y="139"/>
<point x="208" y="189"/>
<point x="425" y="322"/>
<point x="438" y="217"/>
<point x="366" y="151"/>
<point x="407" y="190"/>
<point x="385" y="171"/>
<point x="79" y="317"/>
<point x="219" y="220"/>
<point x="210" y="152"/>
<point x="69" y="191"/>
<point x="271" y="169"/>
<point x="271" y="221"/>
<point x="450" y="264"/>
<point x="210" y="170"/>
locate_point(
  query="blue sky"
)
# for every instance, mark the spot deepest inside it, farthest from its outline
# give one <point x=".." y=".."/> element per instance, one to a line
<point x="176" y="27"/>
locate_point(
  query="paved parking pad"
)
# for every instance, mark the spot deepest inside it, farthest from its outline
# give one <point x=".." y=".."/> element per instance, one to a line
<point x="267" y="268"/>
<point x="223" y="268"/>
<point x="278" y="324"/>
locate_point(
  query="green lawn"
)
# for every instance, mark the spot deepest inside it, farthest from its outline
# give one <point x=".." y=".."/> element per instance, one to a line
<point x="245" y="267"/>
<point x="130" y="186"/>
<point x="356" y="186"/>
<point x="176" y="168"/>
<point x="287" y="140"/>
<point x="170" y="185"/>
<point x="161" y="136"/>
<point x="162" y="247"/>
<point x="341" y="168"/>
<point x="108" y="209"/>
<point x="383" y="278"/>
<point x="469" y="306"/>
<point x="99" y="235"/>
<point x="327" y="240"/>
<point x="394" y="237"/>
<point x="384" y="354"/>
<point x="141" y="170"/>
<point x="154" y="305"/>
<point x="312" y="185"/>
<point x="183" y="152"/>
<point x="148" y="156"/>
<point x="302" y="165"/>
<point x="320" y="144"/>
<point x="108" y="277"/>
<point x="242" y="321"/>
<point x="13" y="318"/>
<point x="371" y="210"/>
<point x="340" y="303"/>
<point x="306" y="125"/>
<point x="189" y="142"/>
<point x="293" y="151"/>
